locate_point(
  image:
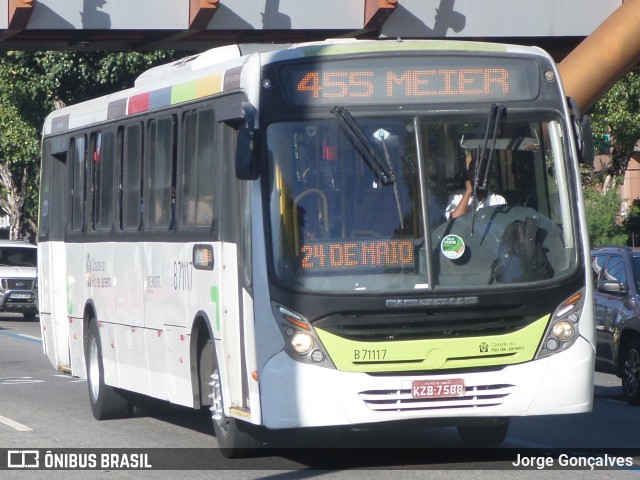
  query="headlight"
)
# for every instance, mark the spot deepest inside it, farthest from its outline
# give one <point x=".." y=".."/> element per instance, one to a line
<point x="561" y="331"/>
<point x="301" y="342"/>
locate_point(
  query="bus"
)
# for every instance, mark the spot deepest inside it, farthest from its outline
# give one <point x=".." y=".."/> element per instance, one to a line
<point x="261" y="230"/>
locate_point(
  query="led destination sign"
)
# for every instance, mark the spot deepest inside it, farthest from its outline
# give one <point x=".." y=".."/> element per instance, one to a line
<point x="410" y="80"/>
<point x="336" y="256"/>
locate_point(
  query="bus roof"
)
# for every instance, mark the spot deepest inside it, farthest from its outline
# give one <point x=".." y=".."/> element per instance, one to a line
<point x="218" y="70"/>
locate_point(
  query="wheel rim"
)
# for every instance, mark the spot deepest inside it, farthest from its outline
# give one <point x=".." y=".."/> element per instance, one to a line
<point x="632" y="372"/>
<point x="217" y="411"/>
<point x="94" y="369"/>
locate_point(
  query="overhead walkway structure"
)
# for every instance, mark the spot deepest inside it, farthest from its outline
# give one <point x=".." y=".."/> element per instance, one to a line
<point x="196" y="25"/>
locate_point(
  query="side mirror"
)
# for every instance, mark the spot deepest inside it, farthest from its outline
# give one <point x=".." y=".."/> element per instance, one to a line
<point x="612" y="288"/>
<point x="587" y="150"/>
<point x="583" y="133"/>
<point x="247" y="146"/>
<point x="247" y="165"/>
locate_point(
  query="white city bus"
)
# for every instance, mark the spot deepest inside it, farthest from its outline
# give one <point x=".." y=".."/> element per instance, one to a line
<point x="261" y="230"/>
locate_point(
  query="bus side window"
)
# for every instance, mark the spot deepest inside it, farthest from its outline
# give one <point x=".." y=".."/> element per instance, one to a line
<point x="198" y="169"/>
<point x="161" y="174"/>
<point x="103" y="180"/>
<point x="131" y="178"/>
<point x="78" y="162"/>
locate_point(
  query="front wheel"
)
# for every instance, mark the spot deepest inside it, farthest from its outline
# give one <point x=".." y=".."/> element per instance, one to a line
<point x="106" y="401"/>
<point x="631" y="373"/>
<point x="484" y="435"/>
<point x="235" y="438"/>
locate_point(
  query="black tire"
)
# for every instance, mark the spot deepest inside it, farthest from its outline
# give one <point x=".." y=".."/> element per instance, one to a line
<point x="29" y="317"/>
<point x="236" y="439"/>
<point x="485" y="435"/>
<point x="631" y="372"/>
<point x="106" y="401"/>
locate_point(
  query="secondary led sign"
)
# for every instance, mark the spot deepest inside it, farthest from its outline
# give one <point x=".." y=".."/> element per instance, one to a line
<point x="369" y="254"/>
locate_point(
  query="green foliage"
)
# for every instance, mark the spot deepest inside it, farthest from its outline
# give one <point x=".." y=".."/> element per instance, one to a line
<point x="617" y="116"/>
<point x="602" y="211"/>
<point x="617" y="112"/>
<point x="632" y="223"/>
<point x="19" y="140"/>
<point x="616" y="128"/>
<point x="32" y="83"/>
<point x="602" y="144"/>
<point x="38" y="79"/>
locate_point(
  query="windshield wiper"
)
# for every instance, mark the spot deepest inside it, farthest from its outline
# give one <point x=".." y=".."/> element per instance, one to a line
<point x="495" y="115"/>
<point x="485" y="155"/>
<point x="363" y="144"/>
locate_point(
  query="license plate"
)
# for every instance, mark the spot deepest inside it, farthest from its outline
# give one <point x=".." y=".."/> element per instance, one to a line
<point x="25" y="296"/>
<point x="453" y="387"/>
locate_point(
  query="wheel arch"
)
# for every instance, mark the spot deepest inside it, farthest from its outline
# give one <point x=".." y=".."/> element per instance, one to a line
<point x="88" y="314"/>
<point x="201" y="331"/>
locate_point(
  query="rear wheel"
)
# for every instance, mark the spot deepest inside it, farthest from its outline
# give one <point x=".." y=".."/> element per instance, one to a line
<point x="631" y="373"/>
<point x="235" y="437"/>
<point x="106" y="401"/>
<point x="485" y="435"/>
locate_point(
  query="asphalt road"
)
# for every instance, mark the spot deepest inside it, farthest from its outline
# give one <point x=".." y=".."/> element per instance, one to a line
<point x="46" y="411"/>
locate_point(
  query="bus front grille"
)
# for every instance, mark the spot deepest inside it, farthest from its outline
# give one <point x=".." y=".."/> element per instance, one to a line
<point x="402" y="399"/>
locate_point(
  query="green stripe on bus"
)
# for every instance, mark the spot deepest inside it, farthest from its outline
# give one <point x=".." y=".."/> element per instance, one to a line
<point x="215" y="298"/>
<point x="183" y="92"/>
<point x="197" y="88"/>
<point x="434" y="354"/>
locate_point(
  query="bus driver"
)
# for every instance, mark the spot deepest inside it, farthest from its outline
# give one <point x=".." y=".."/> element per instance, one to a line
<point x="460" y="201"/>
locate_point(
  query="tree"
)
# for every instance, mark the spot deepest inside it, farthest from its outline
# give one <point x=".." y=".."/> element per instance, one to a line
<point x="18" y="167"/>
<point x="602" y="211"/>
<point x="615" y="116"/>
<point x="39" y="79"/>
<point x="32" y="84"/>
<point x="631" y="224"/>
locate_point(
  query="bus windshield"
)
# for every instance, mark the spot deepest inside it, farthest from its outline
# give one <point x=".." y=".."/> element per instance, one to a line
<point x="362" y="204"/>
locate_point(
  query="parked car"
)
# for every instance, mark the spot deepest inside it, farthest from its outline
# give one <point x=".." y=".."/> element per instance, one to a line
<point x="617" y="304"/>
<point x="18" y="278"/>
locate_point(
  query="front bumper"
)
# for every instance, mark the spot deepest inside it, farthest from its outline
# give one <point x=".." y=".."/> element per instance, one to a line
<point x="300" y="395"/>
<point x="19" y="301"/>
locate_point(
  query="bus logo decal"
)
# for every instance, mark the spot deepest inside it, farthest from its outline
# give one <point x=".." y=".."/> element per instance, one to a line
<point x="430" y="302"/>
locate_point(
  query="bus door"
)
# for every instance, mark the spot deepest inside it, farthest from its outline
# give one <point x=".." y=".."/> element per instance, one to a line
<point x="52" y="259"/>
<point x="222" y="291"/>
